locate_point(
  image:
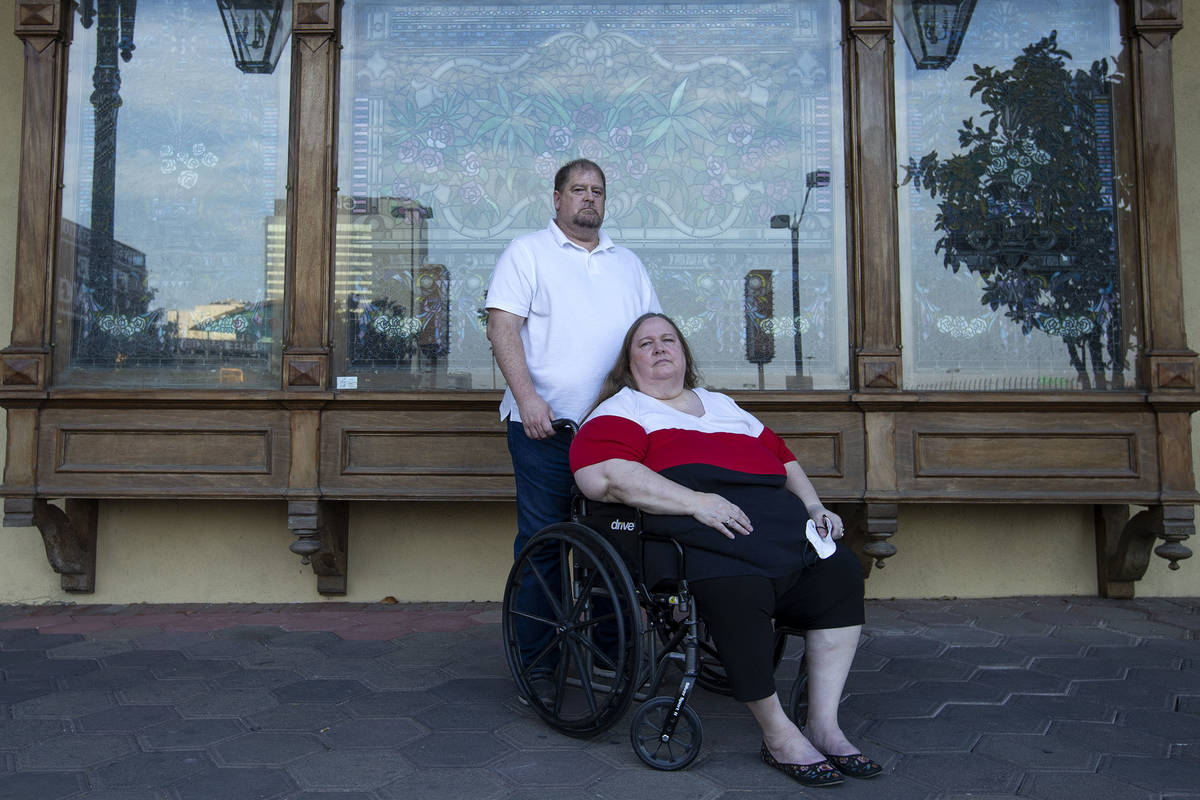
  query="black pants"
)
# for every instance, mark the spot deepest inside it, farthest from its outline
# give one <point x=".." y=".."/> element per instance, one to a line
<point x="739" y="611"/>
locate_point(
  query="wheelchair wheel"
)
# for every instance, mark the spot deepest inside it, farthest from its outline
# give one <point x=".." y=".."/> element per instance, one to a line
<point x="572" y="629"/>
<point x="653" y="746"/>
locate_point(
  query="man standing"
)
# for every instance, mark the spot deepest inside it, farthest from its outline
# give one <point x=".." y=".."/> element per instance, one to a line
<point x="559" y="304"/>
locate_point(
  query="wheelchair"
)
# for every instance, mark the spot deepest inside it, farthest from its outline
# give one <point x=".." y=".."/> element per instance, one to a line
<point x="587" y="636"/>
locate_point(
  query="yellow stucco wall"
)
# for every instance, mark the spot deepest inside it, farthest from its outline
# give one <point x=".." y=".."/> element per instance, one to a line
<point x="237" y="552"/>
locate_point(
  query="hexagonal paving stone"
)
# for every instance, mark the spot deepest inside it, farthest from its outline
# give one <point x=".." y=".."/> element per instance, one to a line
<point x="1125" y="694"/>
<point x="962" y="772"/>
<point x="1081" y="786"/>
<point x="18" y="733"/>
<point x="929" y="669"/>
<point x="996" y="719"/>
<point x="189" y="734"/>
<point x="453" y="750"/>
<point x="144" y="658"/>
<point x="19" y="691"/>
<point x="31" y="639"/>
<point x="465" y="716"/>
<point x="302" y="639"/>
<point x="475" y="690"/>
<point x="126" y="718"/>
<point x="1182" y="680"/>
<point x="551" y="768"/>
<point x="1031" y="751"/>
<point x="163" y="692"/>
<point x="1020" y="681"/>
<point x="74" y="751"/>
<point x="904" y="646"/>
<point x="348" y="769"/>
<point x="702" y="779"/>
<point x="1174" y="726"/>
<point x="49" y="668"/>
<point x="460" y="784"/>
<point x="209" y="668"/>
<point x="267" y="748"/>
<point x="41" y="785"/>
<point x="924" y="735"/>
<point x="1103" y="738"/>
<point x="319" y="691"/>
<point x="387" y="732"/>
<point x="357" y="648"/>
<point x="67" y="704"/>
<point x="297" y="717"/>
<point x="227" y="703"/>
<point x="259" y="678"/>
<point x="142" y="770"/>
<point x="115" y="678"/>
<point x="391" y="704"/>
<point x="235" y="784"/>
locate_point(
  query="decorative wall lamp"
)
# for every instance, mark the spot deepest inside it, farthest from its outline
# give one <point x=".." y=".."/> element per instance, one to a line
<point x="814" y="179"/>
<point x="257" y="31"/>
<point x="934" y="29"/>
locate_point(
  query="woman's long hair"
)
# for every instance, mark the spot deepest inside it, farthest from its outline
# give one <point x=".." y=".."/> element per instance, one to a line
<point x="621" y="375"/>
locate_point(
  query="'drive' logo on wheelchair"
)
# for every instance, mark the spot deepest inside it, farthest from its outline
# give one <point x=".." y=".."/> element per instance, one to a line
<point x="618" y="525"/>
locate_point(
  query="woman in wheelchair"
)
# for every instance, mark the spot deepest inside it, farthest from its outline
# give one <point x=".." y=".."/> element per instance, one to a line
<point x="714" y="478"/>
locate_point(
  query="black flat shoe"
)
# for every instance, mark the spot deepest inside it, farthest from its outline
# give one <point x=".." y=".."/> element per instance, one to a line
<point x="855" y="765"/>
<point x="817" y="775"/>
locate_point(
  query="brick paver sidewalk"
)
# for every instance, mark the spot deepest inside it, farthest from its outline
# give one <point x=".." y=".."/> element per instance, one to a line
<point x="1056" y="698"/>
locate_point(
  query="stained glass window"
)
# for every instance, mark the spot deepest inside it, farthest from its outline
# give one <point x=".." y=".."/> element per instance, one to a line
<point x="1016" y="206"/>
<point x="718" y="125"/>
<point x="175" y="165"/>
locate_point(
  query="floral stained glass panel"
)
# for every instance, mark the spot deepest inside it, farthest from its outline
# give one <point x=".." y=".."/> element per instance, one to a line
<point x="1016" y="209"/>
<point x="711" y="121"/>
<point x="174" y="167"/>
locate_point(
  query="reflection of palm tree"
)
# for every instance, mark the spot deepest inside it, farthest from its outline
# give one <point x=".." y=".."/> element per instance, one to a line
<point x="1028" y="203"/>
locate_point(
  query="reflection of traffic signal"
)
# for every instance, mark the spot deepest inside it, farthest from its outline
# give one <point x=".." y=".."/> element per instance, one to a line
<point x="760" y="306"/>
<point x="433" y="283"/>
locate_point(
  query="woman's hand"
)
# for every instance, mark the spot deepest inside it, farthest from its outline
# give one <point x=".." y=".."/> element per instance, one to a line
<point x="828" y="523"/>
<point x="721" y="515"/>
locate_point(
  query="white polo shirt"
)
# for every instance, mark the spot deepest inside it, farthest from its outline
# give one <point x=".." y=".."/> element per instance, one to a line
<point x="577" y="307"/>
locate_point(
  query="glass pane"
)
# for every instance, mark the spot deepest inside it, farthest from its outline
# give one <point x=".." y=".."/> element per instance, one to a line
<point x="710" y="120"/>
<point x="1017" y="241"/>
<point x="175" y="164"/>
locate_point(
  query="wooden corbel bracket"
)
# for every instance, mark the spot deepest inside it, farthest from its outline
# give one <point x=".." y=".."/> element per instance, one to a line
<point x="869" y="526"/>
<point x="69" y="536"/>
<point x="1124" y="544"/>
<point x="322" y="533"/>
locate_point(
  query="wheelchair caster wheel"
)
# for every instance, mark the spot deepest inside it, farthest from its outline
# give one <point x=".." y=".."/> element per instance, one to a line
<point x="646" y="734"/>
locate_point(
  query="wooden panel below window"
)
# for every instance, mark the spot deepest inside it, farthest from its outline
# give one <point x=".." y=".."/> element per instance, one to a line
<point x="829" y="445"/>
<point x="151" y="452"/>
<point x="1024" y="456"/>
<point x="410" y="454"/>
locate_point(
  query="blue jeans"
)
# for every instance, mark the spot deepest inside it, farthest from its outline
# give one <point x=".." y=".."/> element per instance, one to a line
<point x="544" y="482"/>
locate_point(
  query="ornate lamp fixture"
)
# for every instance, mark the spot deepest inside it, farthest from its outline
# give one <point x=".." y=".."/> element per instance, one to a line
<point x="257" y="31"/>
<point x="934" y="29"/>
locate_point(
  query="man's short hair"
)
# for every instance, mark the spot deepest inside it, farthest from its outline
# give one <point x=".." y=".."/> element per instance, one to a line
<point x="564" y="172"/>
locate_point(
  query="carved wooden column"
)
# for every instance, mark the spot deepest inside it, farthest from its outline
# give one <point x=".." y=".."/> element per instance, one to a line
<point x="875" y="265"/>
<point x="871" y="173"/>
<point x="45" y="32"/>
<point x="1169" y="364"/>
<point x="312" y="189"/>
<point x="320" y="526"/>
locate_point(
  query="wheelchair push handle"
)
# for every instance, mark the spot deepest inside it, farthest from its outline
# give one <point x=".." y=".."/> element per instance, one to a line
<point x="565" y="424"/>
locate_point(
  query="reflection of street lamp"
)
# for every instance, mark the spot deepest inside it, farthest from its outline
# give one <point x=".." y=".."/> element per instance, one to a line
<point x="934" y="29"/>
<point x="257" y="31"/>
<point x="818" y="177"/>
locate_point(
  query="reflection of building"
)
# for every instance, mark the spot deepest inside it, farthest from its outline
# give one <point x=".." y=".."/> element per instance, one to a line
<point x="128" y="275"/>
<point x="381" y="242"/>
